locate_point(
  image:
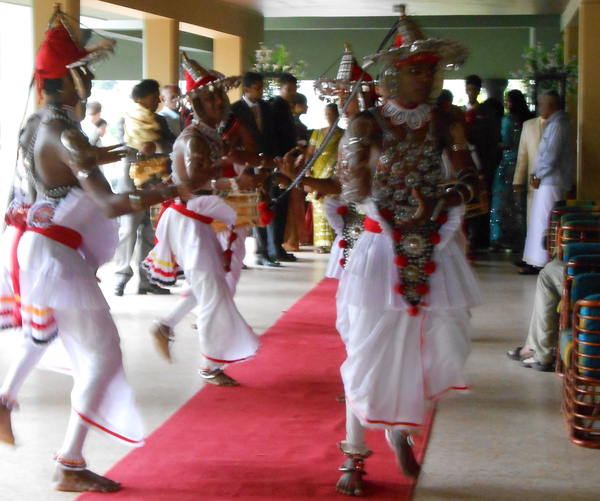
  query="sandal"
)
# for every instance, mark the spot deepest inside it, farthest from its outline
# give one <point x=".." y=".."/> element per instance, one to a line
<point x="516" y="354"/>
<point x="532" y="363"/>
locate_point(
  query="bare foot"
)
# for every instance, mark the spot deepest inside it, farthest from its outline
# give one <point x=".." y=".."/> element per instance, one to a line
<point x="163" y="337"/>
<point x="405" y="457"/>
<point x="6" y="434"/>
<point x="218" y="378"/>
<point x="350" y="483"/>
<point x="82" y="481"/>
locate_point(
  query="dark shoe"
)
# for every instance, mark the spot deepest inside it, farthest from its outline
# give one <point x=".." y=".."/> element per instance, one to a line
<point x="538" y="366"/>
<point x="516" y="354"/>
<point x="520" y="264"/>
<point x="153" y="289"/>
<point x="265" y="261"/>
<point x="244" y="267"/>
<point x="286" y="257"/>
<point x="529" y="270"/>
<point x="119" y="289"/>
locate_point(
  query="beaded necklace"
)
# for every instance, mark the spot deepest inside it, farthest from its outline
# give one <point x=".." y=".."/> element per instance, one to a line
<point x="404" y="165"/>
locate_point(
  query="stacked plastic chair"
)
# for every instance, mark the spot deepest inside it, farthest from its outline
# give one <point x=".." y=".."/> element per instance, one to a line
<point x="561" y="208"/>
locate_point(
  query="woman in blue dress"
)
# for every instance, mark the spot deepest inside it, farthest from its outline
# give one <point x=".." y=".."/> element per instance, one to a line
<point x="508" y="211"/>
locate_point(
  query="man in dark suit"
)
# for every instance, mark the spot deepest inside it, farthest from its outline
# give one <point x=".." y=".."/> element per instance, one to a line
<point x="284" y="139"/>
<point x="256" y="115"/>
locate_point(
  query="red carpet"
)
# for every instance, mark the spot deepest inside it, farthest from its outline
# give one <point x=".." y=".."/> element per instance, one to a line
<point x="274" y="438"/>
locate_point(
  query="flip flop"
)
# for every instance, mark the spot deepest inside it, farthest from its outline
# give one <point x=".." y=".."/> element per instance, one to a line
<point x="538" y="366"/>
<point x="516" y="354"/>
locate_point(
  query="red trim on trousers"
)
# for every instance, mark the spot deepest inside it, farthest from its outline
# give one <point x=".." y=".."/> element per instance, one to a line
<point x="106" y="430"/>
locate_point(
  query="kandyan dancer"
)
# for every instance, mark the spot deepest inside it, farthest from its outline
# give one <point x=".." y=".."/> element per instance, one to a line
<point x="407" y="287"/>
<point x="188" y="245"/>
<point x="50" y="254"/>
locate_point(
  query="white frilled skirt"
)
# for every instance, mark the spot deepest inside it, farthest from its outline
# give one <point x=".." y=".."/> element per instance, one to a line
<point x="59" y="287"/>
<point x="225" y="336"/>
<point x="396" y="363"/>
<point x="334" y="267"/>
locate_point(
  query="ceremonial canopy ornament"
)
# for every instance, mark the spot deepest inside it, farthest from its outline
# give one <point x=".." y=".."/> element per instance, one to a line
<point x="199" y="80"/>
<point x="61" y="53"/>
<point x="348" y="75"/>
<point x="411" y="46"/>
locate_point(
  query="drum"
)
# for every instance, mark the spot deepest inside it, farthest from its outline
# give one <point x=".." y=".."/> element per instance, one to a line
<point x="150" y="170"/>
<point x="245" y="204"/>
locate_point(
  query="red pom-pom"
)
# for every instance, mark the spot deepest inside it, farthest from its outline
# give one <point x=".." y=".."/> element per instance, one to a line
<point x="342" y="261"/>
<point x="422" y="289"/>
<point x="442" y="218"/>
<point x="429" y="267"/>
<point x="413" y="311"/>
<point x="342" y="244"/>
<point x="396" y="234"/>
<point x="228" y="253"/>
<point x="399" y="288"/>
<point x="227" y="268"/>
<point x="400" y="260"/>
<point x="263" y="206"/>
<point x="266" y="217"/>
<point x="342" y="210"/>
<point x="233" y="236"/>
<point x="386" y="213"/>
<point x="434" y="237"/>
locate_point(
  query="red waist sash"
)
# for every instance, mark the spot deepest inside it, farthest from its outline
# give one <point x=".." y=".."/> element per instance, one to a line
<point x="60" y="234"/>
<point x="371" y="225"/>
<point x="182" y="209"/>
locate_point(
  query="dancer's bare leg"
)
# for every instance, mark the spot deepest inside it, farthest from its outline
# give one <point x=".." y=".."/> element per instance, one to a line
<point x="71" y="474"/>
<point x="162" y="330"/>
<point x="356" y="450"/>
<point x="401" y="443"/>
<point x="28" y="357"/>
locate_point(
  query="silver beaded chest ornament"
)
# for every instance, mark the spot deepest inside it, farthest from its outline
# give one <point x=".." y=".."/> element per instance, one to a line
<point x="353" y="228"/>
<point x="402" y="166"/>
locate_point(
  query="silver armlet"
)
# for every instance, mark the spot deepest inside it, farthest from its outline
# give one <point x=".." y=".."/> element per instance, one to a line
<point x="136" y="202"/>
<point x="468" y="187"/>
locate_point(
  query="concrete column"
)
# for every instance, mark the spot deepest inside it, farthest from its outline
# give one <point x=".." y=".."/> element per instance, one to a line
<point x="161" y="50"/>
<point x="588" y="125"/>
<point x="227" y="59"/>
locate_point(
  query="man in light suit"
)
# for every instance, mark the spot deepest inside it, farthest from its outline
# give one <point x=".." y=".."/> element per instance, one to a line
<point x="528" y="150"/>
<point x="553" y="174"/>
<point x="256" y="115"/>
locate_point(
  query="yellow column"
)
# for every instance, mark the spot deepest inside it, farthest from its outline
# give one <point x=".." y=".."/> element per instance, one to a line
<point x="161" y="50"/>
<point x="571" y="43"/>
<point x="227" y="59"/>
<point x="588" y="125"/>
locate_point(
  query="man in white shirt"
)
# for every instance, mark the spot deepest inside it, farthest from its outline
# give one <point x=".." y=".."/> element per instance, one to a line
<point x="171" y="109"/>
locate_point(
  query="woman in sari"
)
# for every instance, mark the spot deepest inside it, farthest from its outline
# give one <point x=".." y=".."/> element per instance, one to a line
<point x="508" y="210"/>
<point x="323" y="234"/>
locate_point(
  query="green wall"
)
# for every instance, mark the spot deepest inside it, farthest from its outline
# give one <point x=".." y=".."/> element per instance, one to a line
<point x="495" y="42"/>
<point x="127" y="61"/>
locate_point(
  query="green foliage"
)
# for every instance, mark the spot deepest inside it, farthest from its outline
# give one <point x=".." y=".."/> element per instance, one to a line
<point x="276" y="61"/>
<point x="538" y="60"/>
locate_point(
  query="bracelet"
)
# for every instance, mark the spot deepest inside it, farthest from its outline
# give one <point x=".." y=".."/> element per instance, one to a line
<point x="453" y="189"/>
<point x="235" y="187"/>
<point x="136" y="202"/>
<point x="468" y="187"/>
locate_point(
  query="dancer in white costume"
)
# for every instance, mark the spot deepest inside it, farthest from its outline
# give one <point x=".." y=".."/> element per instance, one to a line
<point x="187" y="243"/>
<point x="51" y="254"/>
<point x="407" y="286"/>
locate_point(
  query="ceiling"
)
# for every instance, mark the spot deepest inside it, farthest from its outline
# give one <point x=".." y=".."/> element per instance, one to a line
<point x="363" y="8"/>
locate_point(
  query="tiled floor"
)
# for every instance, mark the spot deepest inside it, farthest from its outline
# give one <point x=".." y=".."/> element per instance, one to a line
<point x="504" y="441"/>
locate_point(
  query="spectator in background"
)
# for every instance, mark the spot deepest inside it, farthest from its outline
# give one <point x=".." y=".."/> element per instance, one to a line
<point x="284" y="140"/>
<point x="507" y="211"/>
<point x="171" y="110"/>
<point x="553" y="174"/>
<point x="300" y="108"/>
<point x="473" y="89"/>
<point x="145" y="133"/>
<point x="256" y="115"/>
<point x="90" y="124"/>
<point x="528" y="150"/>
